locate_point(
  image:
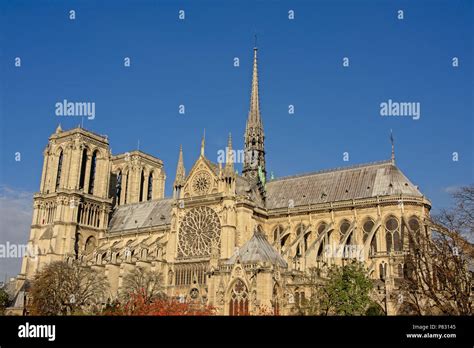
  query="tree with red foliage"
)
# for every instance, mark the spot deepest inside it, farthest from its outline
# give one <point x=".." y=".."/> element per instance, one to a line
<point x="138" y="304"/>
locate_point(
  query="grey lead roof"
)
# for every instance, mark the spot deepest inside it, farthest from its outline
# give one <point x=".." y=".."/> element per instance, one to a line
<point x="258" y="249"/>
<point x="362" y="181"/>
<point x="139" y="215"/>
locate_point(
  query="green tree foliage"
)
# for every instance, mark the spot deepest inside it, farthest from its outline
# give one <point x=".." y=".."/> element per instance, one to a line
<point x="345" y="290"/>
<point x="4" y="300"/>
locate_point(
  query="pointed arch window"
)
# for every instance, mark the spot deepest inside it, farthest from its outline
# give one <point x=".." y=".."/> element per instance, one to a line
<point x="383" y="271"/>
<point x="408" y="269"/>
<point x="277" y="234"/>
<point x="239" y="299"/>
<point x="367" y="227"/>
<point x="149" y="194"/>
<point x="400" y="270"/>
<point x="321" y="228"/>
<point x="396" y="241"/>
<point x="118" y="187"/>
<point x="126" y="188"/>
<point x="80" y="209"/>
<point x="276" y="300"/>
<point x="303" y="243"/>
<point x="388" y="240"/>
<point x="414" y="225"/>
<point x="92" y="173"/>
<point x="373" y="244"/>
<point x="77" y="243"/>
<point x="142" y="182"/>
<point x="90" y="245"/>
<point x="82" y="175"/>
<point x="60" y="168"/>
<point x="392" y="234"/>
<point x="343" y="228"/>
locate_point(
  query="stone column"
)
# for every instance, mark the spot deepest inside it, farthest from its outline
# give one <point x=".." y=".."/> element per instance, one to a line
<point x="123" y="192"/>
<point x="45" y="170"/>
<point x="145" y="185"/>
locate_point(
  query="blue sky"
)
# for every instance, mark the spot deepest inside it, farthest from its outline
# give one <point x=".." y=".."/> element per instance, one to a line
<point x="190" y="62"/>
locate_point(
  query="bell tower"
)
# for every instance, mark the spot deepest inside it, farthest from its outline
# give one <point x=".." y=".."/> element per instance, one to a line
<point x="72" y="206"/>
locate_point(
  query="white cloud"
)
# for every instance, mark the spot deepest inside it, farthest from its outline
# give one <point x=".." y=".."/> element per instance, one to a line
<point x="451" y="189"/>
<point x="16" y="207"/>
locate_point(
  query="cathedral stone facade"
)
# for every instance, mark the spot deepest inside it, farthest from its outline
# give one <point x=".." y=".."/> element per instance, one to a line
<point x="239" y="242"/>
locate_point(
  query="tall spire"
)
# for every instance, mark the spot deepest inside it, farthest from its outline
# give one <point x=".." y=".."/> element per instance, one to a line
<point x="180" y="171"/>
<point x="229" y="162"/>
<point x="203" y="143"/>
<point x="254" y="113"/>
<point x="254" y="135"/>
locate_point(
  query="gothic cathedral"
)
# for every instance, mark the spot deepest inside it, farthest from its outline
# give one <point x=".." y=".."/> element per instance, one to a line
<point x="238" y="242"/>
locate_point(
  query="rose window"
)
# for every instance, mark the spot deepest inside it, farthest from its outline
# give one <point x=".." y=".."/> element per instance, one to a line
<point x="199" y="232"/>
<point x="201" y="183"/>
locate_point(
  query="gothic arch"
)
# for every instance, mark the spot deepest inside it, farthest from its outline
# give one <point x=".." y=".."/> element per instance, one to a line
<point x="58" y="150"/>
<point x="276" y="298"/>
<point x="101" y="154"/>
<point x="59" y="168"/>
<point x="321" y="227"/>
<point x="83" y="165"/>
<point x="392" y="234"/>
<point x="277" y="233"/>
<point x="118" y="186"/>
<point x="93" y="171"/>
<point x="90" y="245"/>
<point x="127" y="188"/>
<point x="103" y="258"/>
<point x="371" y="239"/>
<point x="344" y="228"/>
<point x="149" y="195"/>
<point x="238" y="298"/>
<point x="367" y="227"/>
<point x="414" y="229"/>
<point x="78" y="242"/>
<point x="302" y="238"/>
<point x="323" y="230"/>
<point x="347" y="232"/>
<point x="141" y="185"/>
